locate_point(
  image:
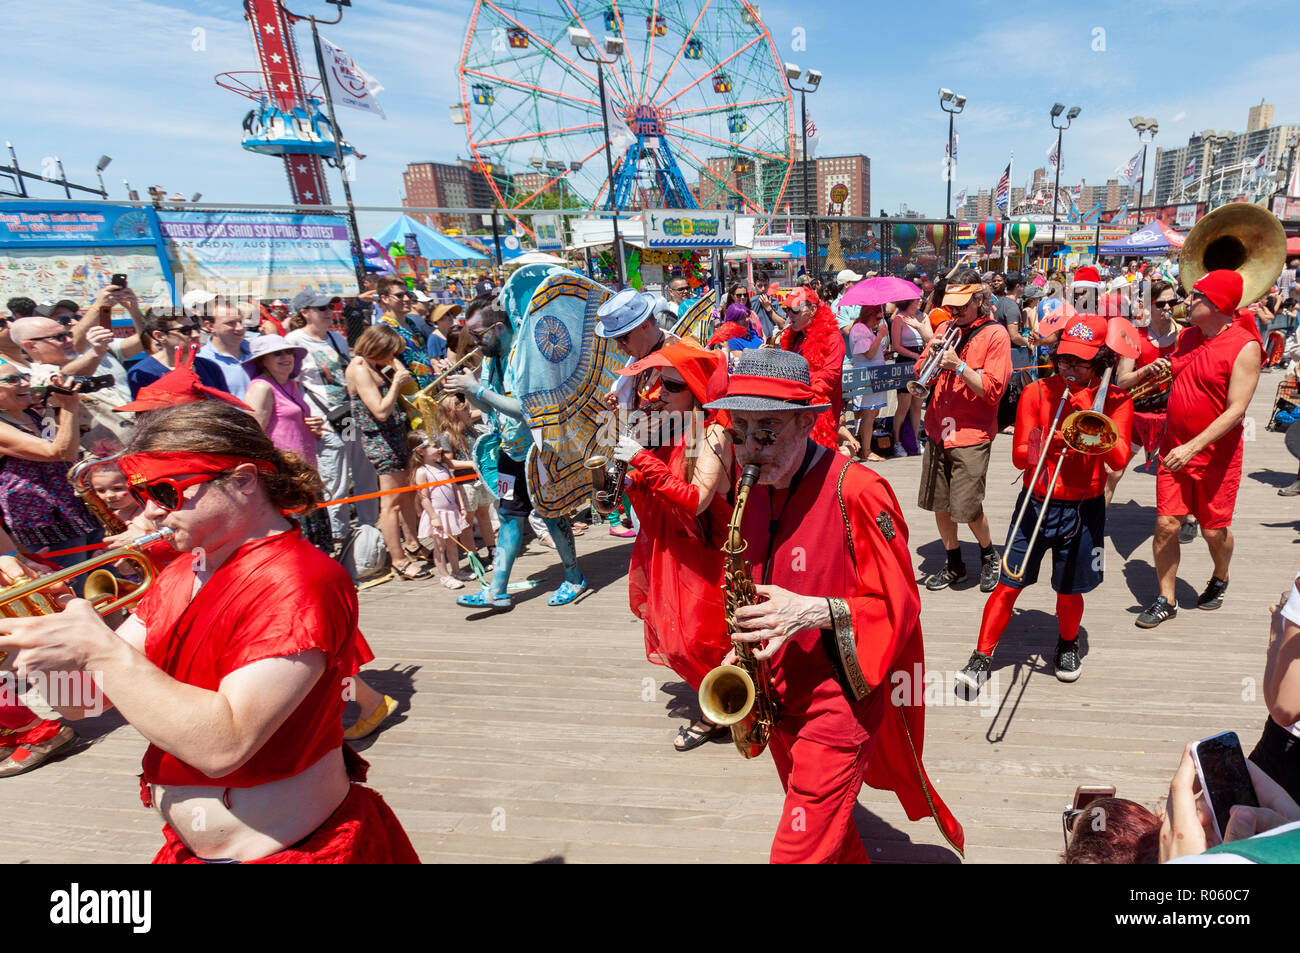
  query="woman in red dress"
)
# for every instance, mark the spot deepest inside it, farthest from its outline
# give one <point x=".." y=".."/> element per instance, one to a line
<point x="237" y="663"/>
<point x="1157" y="339"/>
<point x="680" y="490"/>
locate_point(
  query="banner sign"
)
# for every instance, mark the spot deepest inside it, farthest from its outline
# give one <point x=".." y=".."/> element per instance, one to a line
<point x="546" y="231"/>
<point x="1185" y="216"/>
<point x="261" y="255"/>
<point x="1088" y="236"/>
<point x="689" y="228"/>
<point x="872" y="380"/>
<point x="1286" y="209"/>
<point x="71" y="249"/>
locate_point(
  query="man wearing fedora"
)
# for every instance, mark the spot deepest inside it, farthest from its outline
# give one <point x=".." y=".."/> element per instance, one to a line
<point x="628" y="320"/>
<point x="344" y="468"/>
<point x="961" y="421"/>
<point x="840" y="625"/>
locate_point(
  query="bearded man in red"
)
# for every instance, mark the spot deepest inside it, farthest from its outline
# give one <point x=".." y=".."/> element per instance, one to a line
<point x="840" y="628"/>
<point x="237" y="662"/>
<point x="813" y="334"/>
<point x="1216" y="369"/>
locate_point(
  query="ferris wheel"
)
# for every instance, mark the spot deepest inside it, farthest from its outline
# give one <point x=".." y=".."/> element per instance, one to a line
<point x="700" y="113"/>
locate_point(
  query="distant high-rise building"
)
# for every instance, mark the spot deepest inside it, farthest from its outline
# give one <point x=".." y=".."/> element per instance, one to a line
<point x="1260" y="117"/>
<point x="449" y="185"/>
<point x="1184" y="174"/>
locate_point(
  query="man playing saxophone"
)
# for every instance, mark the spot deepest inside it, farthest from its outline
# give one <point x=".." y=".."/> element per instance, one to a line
<point x="840" y="622"/>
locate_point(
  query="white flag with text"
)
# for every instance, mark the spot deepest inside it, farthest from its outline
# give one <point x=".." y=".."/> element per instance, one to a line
<point x="350" y="85"/>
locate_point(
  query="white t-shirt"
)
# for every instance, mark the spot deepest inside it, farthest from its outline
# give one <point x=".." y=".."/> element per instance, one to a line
<point x="323" y="368"/>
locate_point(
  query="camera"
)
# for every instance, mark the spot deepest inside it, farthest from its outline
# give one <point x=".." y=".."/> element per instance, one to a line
<point x="78" y="385"/>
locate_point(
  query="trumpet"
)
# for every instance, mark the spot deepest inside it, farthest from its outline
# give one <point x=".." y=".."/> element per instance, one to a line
<point x="1090" y="432"/>
<point x="1155" y="386"/>
<point x="930" y="369"/>
<point x="411" y="395"/>
<point x="106" y="592"/>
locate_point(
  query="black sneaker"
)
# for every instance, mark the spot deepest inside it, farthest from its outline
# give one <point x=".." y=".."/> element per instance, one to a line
<point x="944" y="578"/>
<point x="1068" y="664"/>
<point x="1212" y="597"/>
<point x="1159" y="611"/>
<point x="1187" y="532"/>
<point x="989" y="572"/>
<point x="971" y="679"/>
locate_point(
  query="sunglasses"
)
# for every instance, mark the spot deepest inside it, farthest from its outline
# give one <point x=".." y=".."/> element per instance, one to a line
<point x="183" y="329"/>
<point x="1167" y="304"/>
<point x="167" y="492"/>
<point x="16" y="379"/>
<point x="763" y="437"/>
<point x="673" y="387"/>
<point x="63" y="337"/>
<point x="1067" y="821"/>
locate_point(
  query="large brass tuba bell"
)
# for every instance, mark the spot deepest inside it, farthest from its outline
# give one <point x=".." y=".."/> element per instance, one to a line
<point x="1240" y="237"/>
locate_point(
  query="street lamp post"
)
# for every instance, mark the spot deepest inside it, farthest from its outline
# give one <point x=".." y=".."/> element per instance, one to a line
<point x="1291" y="144"/>
<point x="1144" y="126"/>
<point x="811" y="80"/>
<point x="958" y="103"/>
<point x="100" y="166"/>
<point x="1217" y="141"/>
<point x="1057" y="109"/>
<point x="586" y="48"/>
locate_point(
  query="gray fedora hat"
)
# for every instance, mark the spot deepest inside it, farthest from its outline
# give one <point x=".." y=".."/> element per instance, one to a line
<point x="785" y="369"/>
<point x="623" y="312"/>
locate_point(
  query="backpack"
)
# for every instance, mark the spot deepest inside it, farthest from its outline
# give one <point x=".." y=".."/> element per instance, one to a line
<point x="364" y="554"/>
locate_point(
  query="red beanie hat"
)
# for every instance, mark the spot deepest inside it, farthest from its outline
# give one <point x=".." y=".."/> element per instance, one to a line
<point x="1223" y="288"/>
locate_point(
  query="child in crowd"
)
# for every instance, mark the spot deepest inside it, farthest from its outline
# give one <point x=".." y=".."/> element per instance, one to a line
<point x="108" y="483"/>
<point x="442" y="510"/>
<point x="454" y="418"/>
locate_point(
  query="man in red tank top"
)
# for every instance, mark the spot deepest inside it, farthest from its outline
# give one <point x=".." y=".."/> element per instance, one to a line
<point x="840" y="626"/>
<point x="1215" y="368"/>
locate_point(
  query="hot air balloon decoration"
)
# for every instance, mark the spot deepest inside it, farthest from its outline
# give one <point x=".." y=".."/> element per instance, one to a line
<point x="937" y="234"/>
<point x="905" y="237"/>
<point x="987" y="233"/>
<point x="1021" y="233"/>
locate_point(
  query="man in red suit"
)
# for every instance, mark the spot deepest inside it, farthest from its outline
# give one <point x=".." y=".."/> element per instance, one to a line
<point x="1216" y="369"/>
<point x="840" y="627"/>
<point x="813" y="334"/>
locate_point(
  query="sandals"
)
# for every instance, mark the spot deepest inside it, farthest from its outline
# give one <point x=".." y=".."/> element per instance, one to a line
<point x="483" y="599"/>
<point x="421" y="570"/>
<point x="34" y="747"/>
<point x="450" y="582"/>
<point x="367" y="724"/>
<point x="566" y="593"/>
<point x="698" y="733"/>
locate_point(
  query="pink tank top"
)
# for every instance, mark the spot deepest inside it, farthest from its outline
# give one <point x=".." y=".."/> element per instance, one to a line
<point x="287" y="427"/>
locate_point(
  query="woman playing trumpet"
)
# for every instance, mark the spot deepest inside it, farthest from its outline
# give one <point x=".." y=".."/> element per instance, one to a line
<point x="1071" y="483"/>
<point x="679" y="488"/>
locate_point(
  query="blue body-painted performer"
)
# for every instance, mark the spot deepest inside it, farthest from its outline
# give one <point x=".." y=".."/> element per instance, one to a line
<point x="492" y="329"/>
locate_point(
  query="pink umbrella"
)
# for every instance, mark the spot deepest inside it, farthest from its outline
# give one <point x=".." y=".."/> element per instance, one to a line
<point x="881" y="290"/>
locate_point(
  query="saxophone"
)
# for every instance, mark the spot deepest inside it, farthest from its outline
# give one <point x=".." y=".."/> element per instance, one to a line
<point x="740" y="695"/>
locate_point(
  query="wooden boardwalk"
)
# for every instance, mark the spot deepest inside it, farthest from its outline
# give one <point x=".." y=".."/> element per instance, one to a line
<point x="543" y="735"/>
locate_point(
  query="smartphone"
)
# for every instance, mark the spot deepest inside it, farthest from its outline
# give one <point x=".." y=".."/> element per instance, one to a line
<point x="119" y="280"/>
<point x="1085" y="794"/>
<point x="1225" y="781"/>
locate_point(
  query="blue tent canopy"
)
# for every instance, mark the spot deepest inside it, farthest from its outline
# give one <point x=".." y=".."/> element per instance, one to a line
<point x="434" y="245"/>
<point x="1152" y="239"/>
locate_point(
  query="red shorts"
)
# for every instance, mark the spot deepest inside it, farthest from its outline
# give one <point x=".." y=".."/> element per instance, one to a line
<point x="1209" y="495"/>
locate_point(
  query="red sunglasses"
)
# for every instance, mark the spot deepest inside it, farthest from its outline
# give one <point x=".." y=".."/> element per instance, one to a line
<point x="167" y="492"/>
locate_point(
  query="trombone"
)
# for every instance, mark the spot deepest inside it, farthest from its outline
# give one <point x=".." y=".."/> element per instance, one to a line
<point x="930" y="369"/>
<point x="1090" y="432"/>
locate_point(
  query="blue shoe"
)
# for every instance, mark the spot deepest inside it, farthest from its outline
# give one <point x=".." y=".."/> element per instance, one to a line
<point x="483" y="599"/>
<point x="566" y="593"/>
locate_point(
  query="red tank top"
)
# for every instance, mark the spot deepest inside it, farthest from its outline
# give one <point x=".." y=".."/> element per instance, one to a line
<point x="1202" y="369"/>
<point x="1150" y="350"/>
<point x="274" y="597"/>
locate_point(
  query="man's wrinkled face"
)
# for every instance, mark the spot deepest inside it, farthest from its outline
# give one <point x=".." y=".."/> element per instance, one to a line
<point x="774" y="440"/>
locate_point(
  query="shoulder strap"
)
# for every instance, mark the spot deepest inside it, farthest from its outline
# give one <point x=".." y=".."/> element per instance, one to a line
<point x="967" y="338"/>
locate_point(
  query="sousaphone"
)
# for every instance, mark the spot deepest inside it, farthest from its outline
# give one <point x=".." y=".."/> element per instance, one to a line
<point x="1241" y="237"/>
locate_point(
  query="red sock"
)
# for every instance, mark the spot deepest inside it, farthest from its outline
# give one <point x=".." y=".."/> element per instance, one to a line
<point x="14" y="714"/>
<point x="997" y="613"/>
<point x="1069" y="613"/>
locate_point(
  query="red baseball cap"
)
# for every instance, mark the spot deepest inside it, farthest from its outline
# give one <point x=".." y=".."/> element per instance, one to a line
<point x="1223" y="288"/>
<point x="1083" y="337"/>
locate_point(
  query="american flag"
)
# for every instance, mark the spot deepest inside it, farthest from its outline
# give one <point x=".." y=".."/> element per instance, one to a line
<point x="1002" y="191"/>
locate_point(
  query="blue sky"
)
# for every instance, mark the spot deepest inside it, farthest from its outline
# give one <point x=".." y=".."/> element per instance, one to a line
<point x="134" y="80"/>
